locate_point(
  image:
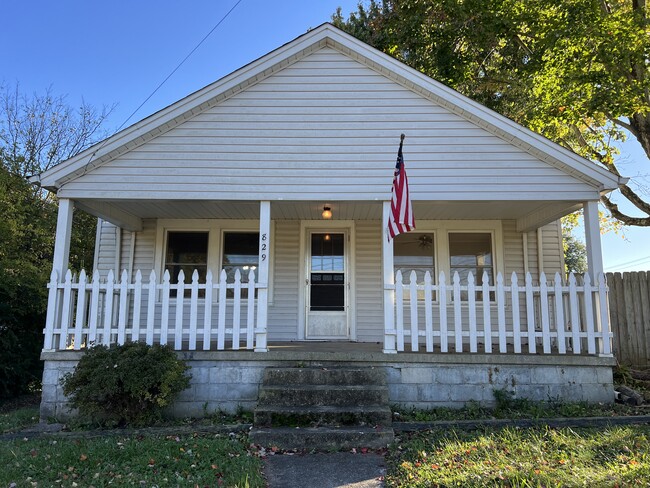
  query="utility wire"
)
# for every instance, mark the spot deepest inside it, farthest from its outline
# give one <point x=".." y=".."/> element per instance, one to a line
<point x="179" y="64"/>
<point x="631" y="263"/>
<point x="163" y="82"/>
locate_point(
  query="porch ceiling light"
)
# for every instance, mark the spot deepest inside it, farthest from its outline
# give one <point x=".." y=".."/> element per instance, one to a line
<point x="327" y="212"/>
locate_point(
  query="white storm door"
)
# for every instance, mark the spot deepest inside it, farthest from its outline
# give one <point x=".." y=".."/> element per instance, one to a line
<point x="327" y="286"/>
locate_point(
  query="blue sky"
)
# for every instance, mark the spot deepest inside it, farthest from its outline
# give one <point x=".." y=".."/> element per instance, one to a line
<point x="118" y="52"/>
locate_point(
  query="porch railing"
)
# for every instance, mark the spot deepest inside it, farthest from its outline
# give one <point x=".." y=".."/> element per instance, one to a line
<point x="188" y="316"/>
<point x="548" y="318"/>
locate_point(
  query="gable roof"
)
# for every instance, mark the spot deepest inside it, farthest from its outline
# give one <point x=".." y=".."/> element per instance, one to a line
<point x="327" y="35"/>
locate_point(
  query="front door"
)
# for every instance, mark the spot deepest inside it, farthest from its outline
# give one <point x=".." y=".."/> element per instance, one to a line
<point x="327" y="286"/>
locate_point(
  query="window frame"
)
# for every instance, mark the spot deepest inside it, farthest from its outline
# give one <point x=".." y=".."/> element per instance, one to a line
<point x="442" y="259"/>
<point x="216" y="229"/>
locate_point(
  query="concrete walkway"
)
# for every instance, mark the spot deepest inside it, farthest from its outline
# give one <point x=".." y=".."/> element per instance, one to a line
<point x="325" y="470"/>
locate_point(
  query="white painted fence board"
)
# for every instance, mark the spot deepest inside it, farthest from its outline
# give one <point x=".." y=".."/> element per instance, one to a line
<point x="546" y="333"/>
<point x="80" y="316"/>
<point x="65" y="311"/>
<point x="487" y="325"/>
<point x="137" y="306"/>
<point x="559" y="314"/>
<point x="123" y="303"/>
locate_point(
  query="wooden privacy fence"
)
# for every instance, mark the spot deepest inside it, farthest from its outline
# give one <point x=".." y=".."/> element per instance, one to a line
<point x="548" y="318"/>
<point x="82" y="313"/>
<point x="629" y="303"/>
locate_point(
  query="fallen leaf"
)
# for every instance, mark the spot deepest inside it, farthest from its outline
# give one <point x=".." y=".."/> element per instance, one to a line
<point x="83" y="457"/>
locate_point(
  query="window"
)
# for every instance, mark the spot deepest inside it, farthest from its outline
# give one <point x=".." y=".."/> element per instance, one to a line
<point x="327" y="277"/>
<point x="240" y="252"/>
<point x="415" y="251"/>
<point x="186" y="251"/>
<point x="471" y="252"/>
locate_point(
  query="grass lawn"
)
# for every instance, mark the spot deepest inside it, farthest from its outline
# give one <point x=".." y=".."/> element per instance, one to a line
<point x="194" y="460"/>
<point x="17" y="419"/>
<point x="616" y="456"/>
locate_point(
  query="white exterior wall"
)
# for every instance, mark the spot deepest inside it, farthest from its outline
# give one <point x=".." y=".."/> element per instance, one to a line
<point x="283" y="312"/>
<point x="106" y="246"/>
<point x="369" y="309"/>
<point x="326" y="127"/>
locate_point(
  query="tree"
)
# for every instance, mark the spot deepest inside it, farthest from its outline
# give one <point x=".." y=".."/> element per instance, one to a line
<point x="26" y="241"/>
<point x="576" y="71"/>
<point x="39" y="131"/>
<point x="35" y="134"/>
<point x="575" y="254"/>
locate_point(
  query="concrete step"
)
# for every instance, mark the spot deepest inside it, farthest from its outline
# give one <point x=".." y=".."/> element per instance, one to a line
<point x="322" y="438"/>
<point x="322" y="395"/>
<point x="324" y="376"/>
<point x="370" y="415"/>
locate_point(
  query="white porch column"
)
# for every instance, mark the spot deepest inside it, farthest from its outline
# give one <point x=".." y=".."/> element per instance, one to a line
<point x="592" y="238"/>
<point x="390" y="338"/>
<point x="63" y="233"/>
<point x="596" y="269"/>
<point x="263" y="277"/>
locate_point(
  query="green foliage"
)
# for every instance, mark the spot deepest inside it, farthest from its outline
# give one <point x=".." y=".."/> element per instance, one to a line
<point x="146" y="461"/>
<point x="35" y="133"/>
<point x="617" y="456"/>
<point x="17" y="419"/>
<point x="26" y="240"/>
<point x="507" y="406"/>
<point x="576" y="71"/>
<point x="128" y="384"/>
<point x="575" y="254"/>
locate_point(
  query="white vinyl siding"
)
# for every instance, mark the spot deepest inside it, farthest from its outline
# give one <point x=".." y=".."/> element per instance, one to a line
<point x="551" y="241"/>
<point x="283" y="313"/>
<point x="326" y="127"/>
<point x="369" y="310"/>
<point x="106" y="247"/>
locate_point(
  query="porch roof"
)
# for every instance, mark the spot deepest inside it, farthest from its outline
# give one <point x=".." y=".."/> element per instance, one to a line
<point x="128" y="214"/>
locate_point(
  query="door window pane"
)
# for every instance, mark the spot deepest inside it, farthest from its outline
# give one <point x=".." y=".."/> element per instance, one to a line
<point x="327" y="252"/>
<point x="187" y="251"/>
<point x="327" y="277"/>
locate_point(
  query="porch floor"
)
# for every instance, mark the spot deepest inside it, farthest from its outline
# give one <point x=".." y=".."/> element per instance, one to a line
<point x="326" y="346"/>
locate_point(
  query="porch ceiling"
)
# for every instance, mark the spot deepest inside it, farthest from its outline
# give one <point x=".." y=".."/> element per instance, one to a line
<point x="529" y="214"/>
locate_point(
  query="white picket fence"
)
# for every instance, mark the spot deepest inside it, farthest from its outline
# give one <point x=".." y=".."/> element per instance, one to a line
<point x="555" y="317"/>
<point x="81" y="313"/>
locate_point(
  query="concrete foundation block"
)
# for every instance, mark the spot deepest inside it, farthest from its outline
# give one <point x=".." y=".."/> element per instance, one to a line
<point x="417" y="375"/>
<point x="402" y="393"/>
<point x="447" y="374"/>
<point x="434" y="393"/>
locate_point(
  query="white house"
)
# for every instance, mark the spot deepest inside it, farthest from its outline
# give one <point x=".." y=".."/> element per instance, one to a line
<point x="237" y="176"/>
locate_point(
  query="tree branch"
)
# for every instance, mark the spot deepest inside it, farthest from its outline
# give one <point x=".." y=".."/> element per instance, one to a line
<point x="626" y="219"/>
<point x="622" y="124"/>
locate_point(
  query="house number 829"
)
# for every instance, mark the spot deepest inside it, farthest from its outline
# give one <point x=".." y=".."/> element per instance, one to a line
<point x="263" y="247"/>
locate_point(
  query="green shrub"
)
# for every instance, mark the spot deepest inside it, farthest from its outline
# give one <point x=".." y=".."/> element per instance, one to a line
<point x="129" y="384"/>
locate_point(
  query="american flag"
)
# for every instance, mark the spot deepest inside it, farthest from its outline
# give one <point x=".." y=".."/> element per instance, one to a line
<point x="401" y="217"/>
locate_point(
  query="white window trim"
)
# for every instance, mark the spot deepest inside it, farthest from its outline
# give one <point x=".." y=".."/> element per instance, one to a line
<point x="441" y="230"/>
<point x="215" y="229"/>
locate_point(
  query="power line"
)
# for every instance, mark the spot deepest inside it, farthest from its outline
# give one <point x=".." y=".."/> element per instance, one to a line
<point x="163" y="81"/>
<point x="180" y="64"/>
<point x="631" y="263"/>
